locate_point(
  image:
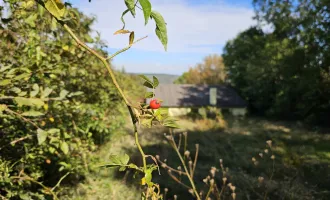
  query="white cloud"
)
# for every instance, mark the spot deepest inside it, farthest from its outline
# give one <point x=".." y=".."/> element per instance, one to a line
<point x="191" y="28"/>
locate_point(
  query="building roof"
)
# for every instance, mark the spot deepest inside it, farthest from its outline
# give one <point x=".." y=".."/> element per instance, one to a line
<point x="187" y="95"/>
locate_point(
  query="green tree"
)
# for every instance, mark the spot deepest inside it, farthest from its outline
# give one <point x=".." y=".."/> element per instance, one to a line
<point x="285" y="72"/>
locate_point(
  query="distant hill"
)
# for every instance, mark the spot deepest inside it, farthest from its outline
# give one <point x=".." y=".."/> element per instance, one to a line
<point x="163" y="78"/>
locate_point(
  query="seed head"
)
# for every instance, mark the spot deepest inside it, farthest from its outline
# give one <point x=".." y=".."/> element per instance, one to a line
<point x="233" y="195"/>
<point x="166" y="189"/>
<point x="233" y="188"/>
<point x="186" y="153"/>
<point x="272" y="157"/>
<point x="224" y="179"/>
<point x="254" y="159"/>
<point x="260" y="179"/>
<point x="220" y="161"/>
<point x="191" y="191"/>
<point x="175" y="197"/>
<point x="269" y="142"/>
<point x="212" y="181"/>
<point x="261" y="155"/>
<point x="266" y="150"/>
<point x="212" y="171"/>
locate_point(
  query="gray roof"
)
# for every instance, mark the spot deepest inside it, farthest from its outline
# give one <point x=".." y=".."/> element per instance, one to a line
<point x="187" y="95"/>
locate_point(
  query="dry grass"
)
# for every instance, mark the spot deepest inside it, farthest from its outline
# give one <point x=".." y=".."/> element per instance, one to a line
<point x="302" y="159"/>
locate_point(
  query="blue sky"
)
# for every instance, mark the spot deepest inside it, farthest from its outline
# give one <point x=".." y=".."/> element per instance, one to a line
<point x="196" y="28"/>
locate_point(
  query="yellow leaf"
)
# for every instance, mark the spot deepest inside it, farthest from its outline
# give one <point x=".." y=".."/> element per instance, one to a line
<point x="121" y="31"/>
<point x="46" y="107"/>
<point x="143" y="181"/>
<point x="43" y="123"/>
<point x="131" y="38"/>
<point x="51" y="119"/>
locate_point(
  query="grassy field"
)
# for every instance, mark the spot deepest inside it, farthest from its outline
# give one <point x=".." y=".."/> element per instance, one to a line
<point x="301" y="165"/>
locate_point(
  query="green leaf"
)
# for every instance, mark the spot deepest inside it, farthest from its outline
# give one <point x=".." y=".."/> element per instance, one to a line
<point x="32" y="113"/>
<point x="31" y="20"/>
<point x="131" y="38"/>
<point x="64" y="147"/>
<point x="146" y="7"/>
<point x="5" y="82"/>
<point x="46" y="92"/>
<point x="148" y="177"/>
<point x="161" y="30"/>
<point x="145" y="78"/>
<point x="35" y="90"/>
<point x="22" y="76"/>
<point x="56" y="8"/>
<point x="149" y="95"/>
<point x="131" y="6"/>
<point x="117" y="160"/>
<point x="156" y="82"/>
<point x="63" y="94"/>
<point x="41" y="135"/>
<point x="22" y="101"/>
<point x="148" y="84"/>
<point x="147" y="122"/>
<point x="3" y="107"/>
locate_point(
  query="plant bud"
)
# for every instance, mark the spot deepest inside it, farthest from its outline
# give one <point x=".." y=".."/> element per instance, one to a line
<point x="224" y="179"/>
<point x="269" y="142"/>
<point x="191" y="191"/>
<point x="186" y="153"/>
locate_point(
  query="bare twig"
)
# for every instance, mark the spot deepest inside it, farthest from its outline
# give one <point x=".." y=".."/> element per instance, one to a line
<point x="59" y="182"/>
<point x="186" y="170"/>
<point x="177" y="180"/>
<point x="125" y="49"/>
<point x="195" y="160"/>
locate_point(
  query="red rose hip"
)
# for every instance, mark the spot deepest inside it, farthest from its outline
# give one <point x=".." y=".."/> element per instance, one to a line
<point x="154" y="104"/>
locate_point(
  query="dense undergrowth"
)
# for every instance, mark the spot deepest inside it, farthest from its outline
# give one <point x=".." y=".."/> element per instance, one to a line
<point x="57" y="103"/>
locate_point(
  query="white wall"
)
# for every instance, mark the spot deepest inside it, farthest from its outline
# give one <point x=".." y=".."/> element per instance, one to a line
<point x="178" y="111"/>
<point x="238" y="111"/>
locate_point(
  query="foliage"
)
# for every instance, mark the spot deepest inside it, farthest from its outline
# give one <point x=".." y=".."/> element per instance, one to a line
<point x="211" y="71"/>
<point x="51" y="119"/>
<point x="56" y="101"/>
<point x="285" y="72"/>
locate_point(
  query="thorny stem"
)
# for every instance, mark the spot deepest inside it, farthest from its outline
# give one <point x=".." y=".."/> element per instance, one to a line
<point x="114" y="80"/>
<point x="186" y="170"/>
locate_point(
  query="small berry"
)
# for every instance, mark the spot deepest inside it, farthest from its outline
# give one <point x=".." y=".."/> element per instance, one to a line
<point x="154" y="104"/>
<point x="48" y="161"/>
